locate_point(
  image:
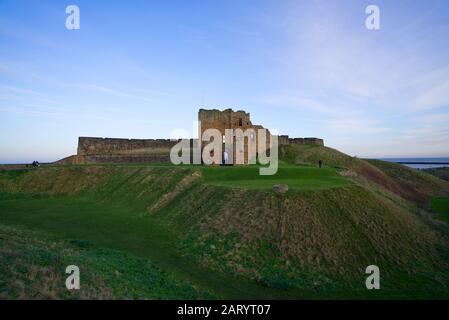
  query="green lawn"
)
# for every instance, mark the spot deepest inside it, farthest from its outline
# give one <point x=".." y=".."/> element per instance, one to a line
<point x="441" y="207"/>
<point x="296" y="177"/>
<point x="116" y="227"/>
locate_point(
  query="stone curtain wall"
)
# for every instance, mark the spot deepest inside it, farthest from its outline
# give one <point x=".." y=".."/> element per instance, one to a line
<point x="108" y="146"/>
<point x="284" y="140"/>
<point x="116" y="150"/>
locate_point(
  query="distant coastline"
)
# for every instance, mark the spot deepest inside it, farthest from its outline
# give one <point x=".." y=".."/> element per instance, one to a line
<point x="421" y="163"/>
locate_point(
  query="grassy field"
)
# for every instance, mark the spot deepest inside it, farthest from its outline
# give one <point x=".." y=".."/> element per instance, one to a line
<point x="296" y="177"/>
<point x="33" y="266"/>
<point x="217" y="232"/>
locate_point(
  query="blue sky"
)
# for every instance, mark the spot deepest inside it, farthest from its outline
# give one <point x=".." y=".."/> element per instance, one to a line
<point x="141" y="69"/>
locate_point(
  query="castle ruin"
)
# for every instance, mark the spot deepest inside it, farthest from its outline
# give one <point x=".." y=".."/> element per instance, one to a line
<point x="116" y="150"/>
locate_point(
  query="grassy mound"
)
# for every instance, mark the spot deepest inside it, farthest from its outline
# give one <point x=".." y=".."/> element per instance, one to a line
<point x="224" y="231"/>
<point x="320" y="239"/>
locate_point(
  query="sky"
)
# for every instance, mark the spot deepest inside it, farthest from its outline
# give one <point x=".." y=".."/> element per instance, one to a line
<point x="142" y="69"/>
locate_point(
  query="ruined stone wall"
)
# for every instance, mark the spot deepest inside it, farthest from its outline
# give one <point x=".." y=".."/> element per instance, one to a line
<point x="117" y="158"/>
<point x="229" y="119"/>
<point x="103" y="146"/>
<point x="226" y="119"/>
<point x="316" y="141"/>
<point x="285" y="140"/>
<point x="115" y="150"/>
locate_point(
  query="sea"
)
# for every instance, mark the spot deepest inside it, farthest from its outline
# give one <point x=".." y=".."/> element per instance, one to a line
<point x="421" y="163"/>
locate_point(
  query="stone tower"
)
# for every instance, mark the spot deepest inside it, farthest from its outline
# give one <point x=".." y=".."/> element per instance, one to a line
<point x="229" y="119"/>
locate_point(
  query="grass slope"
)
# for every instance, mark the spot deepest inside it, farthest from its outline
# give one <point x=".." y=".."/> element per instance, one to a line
<point x="237" y="239"/>
<point x="33" y="267"/>
<point x="442" y="172"/>
<point x="407" y="183"/>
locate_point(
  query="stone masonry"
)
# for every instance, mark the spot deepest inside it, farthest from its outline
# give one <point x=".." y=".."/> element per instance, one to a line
<point x="229" y="119"/>
<point x="115" y="150"/>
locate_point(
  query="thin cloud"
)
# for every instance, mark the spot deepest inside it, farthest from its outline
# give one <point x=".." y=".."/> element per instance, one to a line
<point x="435" y="97"/>
<point x="119" y="93"/>
<point x="300" y="103"/>
<point x="21" y="90"/>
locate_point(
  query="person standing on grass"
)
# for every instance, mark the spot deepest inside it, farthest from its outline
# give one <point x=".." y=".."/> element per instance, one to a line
<point x="320" y="163"/>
